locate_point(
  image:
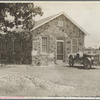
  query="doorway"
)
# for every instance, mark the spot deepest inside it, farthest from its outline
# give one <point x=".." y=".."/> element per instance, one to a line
<point x="60" y="50"/>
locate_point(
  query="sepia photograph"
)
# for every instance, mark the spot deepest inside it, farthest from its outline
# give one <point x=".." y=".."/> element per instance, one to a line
<point x="49" y="49"/>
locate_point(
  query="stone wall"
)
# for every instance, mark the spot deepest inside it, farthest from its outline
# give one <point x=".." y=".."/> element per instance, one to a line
<point x="53" y="31"/>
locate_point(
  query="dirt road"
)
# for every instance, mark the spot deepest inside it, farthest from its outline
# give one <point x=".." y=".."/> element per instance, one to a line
<point x="25" y="80"/>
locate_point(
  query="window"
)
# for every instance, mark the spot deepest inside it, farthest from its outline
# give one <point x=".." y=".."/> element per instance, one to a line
<point x="74" y="45"/>
<point x="44" y="45"/>
<point x="60" y="23"/>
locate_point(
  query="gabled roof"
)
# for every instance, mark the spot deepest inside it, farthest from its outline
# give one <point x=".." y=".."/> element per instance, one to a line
<point x="46" y="20"/>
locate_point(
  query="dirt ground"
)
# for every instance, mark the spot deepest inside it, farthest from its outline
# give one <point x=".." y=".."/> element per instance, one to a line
<point x="49" y="81"/>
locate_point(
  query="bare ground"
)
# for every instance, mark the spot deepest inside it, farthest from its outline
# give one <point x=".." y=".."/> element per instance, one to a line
<point x="49" y="81"/>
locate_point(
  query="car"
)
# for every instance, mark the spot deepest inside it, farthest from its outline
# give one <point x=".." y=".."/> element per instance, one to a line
<point x="81" y="58"/>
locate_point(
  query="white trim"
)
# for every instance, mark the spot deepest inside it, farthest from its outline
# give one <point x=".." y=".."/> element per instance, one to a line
<point x="65" y="16"/>
<point x="72" y="45"/>
<point x="63" y="49"/>
<point x="60" y="40"/>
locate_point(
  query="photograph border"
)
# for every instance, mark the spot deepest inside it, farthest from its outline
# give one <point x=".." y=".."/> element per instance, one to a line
<point x="64" y="97"/>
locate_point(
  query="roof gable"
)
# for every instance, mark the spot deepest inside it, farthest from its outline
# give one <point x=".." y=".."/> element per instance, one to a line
<point x="55" y="32"/>
<point x="46" y="20"/>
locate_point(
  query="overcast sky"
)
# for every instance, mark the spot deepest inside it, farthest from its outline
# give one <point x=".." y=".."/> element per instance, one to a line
<point x="86" y="14"/>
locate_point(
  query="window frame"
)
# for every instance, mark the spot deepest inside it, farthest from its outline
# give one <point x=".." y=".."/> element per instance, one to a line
<point x="73" y="45"/>
<point x="60" y="23"/>
<point x="46" y="46"/>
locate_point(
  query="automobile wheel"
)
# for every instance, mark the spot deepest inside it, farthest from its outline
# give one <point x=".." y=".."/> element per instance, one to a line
<point x="87" y="64"/>
<point x="71" y="61"/>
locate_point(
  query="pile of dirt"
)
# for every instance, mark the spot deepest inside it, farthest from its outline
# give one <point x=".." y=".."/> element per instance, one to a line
<point x="30" y="86"/>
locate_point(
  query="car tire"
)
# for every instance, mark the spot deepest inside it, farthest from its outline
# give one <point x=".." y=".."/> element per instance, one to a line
<point x="71" y="61"/>
<point x="87" y="64"/>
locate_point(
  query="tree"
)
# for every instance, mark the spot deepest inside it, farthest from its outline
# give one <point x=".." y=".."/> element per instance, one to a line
<point x="22" y="14"/>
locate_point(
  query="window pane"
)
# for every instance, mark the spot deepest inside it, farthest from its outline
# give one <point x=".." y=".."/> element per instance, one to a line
<point x="74" y="42"/>
<point x="60" y="23"/>
<point x="44" y="40"/>
<point x="74" y="49"/>
<point x="44" y="48"/>
<point x="44" y="44"/>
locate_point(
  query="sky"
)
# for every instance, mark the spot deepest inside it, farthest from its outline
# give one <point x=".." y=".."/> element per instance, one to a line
<point x="84" y="13"/>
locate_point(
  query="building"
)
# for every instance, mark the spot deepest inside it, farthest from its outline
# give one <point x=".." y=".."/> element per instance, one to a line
<point x="53" y="38"/>
<point x="89" y="50"/>
<point x="95" y="52"/>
